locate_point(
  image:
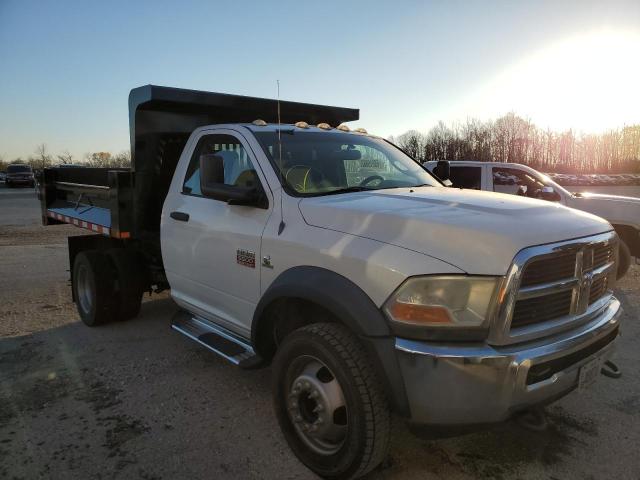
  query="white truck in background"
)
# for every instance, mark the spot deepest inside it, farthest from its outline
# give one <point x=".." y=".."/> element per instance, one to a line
<point x="333" y="256"/>
<point x="516" y="179"/>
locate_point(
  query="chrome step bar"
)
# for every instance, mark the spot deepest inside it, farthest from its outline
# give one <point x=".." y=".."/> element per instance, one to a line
<point x="216" y="338"/>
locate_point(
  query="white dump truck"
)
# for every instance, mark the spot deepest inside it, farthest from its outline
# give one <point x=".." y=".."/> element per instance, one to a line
<point x="294" y="241"/>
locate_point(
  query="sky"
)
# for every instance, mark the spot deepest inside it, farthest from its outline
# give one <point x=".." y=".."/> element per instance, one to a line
<point x="66" y="67"/>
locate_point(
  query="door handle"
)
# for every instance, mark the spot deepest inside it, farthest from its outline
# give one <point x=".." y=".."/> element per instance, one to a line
<point x="180" y="216"/>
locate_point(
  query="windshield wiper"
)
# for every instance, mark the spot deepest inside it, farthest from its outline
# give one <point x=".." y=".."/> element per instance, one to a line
<point x="355" y="188"/>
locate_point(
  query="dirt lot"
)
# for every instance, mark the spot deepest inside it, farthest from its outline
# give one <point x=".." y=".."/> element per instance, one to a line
<point x="136" y="400"/>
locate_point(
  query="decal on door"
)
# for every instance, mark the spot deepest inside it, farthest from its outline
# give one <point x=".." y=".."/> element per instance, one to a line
<point x="246" y="258"/>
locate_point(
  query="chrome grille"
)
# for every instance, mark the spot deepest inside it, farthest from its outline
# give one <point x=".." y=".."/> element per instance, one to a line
<point x="541" y="309"/>
<point x="602" y="255"/>
<point x="549" y="270"/>
<point x="555" y="287"/>
<point x="598" y="288"/>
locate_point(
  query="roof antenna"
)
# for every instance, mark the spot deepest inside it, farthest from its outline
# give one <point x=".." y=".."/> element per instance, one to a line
<point x="282" y="224"/>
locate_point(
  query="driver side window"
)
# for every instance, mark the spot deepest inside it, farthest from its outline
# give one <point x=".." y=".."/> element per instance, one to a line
<point x="238" y="167"/>
<point x="515" y="182"/>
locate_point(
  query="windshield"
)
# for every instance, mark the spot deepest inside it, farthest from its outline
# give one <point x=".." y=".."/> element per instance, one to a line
<point x="321" y="163"/>
<point x="18" y="169"/>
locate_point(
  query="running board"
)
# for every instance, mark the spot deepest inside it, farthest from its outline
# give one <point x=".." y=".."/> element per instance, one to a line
<point x="217" y="339"/>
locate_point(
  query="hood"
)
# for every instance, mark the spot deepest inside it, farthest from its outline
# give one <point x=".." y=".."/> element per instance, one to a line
<point x="615" y="208"/>
<point x="478" y="232"/>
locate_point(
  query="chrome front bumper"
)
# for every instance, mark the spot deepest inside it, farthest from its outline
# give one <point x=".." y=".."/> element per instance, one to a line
<point x="453" y="384"/>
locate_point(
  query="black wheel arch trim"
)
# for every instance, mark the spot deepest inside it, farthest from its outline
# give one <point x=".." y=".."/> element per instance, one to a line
<point x="349" y="303"/>
<point x="629" y="235"/>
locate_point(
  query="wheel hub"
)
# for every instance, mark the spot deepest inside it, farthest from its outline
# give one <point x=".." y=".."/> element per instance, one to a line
<point x="317" y="407"/>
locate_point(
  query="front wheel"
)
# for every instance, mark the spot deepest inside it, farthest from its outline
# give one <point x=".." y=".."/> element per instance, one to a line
<point x="329" y="402"/>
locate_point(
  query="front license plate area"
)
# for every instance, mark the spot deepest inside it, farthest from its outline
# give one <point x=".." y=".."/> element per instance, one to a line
<point x="589" y="373"/>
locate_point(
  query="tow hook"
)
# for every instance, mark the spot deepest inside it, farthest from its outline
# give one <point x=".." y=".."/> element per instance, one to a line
<point x="610" y="369"/>
<point x="533" y="419"/>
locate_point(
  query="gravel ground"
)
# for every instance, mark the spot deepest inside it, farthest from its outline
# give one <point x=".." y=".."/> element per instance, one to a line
<point x="136" y="400"/>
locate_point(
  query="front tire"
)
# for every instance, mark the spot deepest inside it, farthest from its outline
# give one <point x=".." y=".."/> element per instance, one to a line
<point x="93" y="288"/>
<point x="329" y="402"/>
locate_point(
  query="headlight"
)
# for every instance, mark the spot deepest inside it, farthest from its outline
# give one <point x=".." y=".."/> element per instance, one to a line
<point x="442" y="307"/>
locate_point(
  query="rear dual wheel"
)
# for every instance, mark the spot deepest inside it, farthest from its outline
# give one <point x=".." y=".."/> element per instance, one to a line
<point x="107" y="286"/>
<point x="93" y="283"/>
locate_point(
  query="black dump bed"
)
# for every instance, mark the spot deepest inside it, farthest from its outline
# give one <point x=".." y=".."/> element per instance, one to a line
<point x="127" y="203"/>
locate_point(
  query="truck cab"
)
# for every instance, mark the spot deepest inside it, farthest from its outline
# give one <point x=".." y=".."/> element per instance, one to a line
<point x="516" y="179"/>
<point x="290" y="239"/>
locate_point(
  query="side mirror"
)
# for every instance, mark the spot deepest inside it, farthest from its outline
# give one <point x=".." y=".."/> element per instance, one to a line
<point x="548" y="193"/>
<point x="442" y="170"/>
<point x="212" y="184"/>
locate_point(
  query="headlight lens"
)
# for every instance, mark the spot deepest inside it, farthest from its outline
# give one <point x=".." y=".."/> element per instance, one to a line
<point x="443" y="302"/>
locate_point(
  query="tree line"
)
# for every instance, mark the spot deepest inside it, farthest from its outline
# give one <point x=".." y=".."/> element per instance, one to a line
<point x="42" y="158"/>
<point x="511" y="138"/>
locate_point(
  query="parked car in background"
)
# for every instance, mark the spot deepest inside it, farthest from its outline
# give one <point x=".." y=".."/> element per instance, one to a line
<point x="2" y="176"/>
<point x="512" y="178"/>
<point x="20" y="175"/>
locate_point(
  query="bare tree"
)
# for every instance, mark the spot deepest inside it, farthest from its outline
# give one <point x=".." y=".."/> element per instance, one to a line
<point x="122" y="159"/>
<point x="412" y="142"/>
<point x="98" y="159"/>
<point x="42" y="158"/>
<point x="512" y="138"/>
<point x="65" y="158"/>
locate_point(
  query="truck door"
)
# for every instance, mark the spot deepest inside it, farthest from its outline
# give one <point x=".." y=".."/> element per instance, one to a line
<point x="210" y="249"/>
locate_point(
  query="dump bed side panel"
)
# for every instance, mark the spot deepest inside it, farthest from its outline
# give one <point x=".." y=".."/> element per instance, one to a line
<point x="97" y="199"/>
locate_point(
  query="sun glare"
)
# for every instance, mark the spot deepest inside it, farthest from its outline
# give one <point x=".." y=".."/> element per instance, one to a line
<point x="589" y="83"/>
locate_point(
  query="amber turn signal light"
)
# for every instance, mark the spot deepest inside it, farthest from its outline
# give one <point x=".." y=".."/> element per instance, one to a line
<point x="419" y="314"/>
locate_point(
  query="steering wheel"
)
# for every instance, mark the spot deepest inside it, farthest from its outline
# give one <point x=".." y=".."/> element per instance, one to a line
<point x="370" y="179"/>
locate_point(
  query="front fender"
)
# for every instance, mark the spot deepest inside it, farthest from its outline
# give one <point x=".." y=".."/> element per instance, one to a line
<point x="353" y="307"/>
<point x="339" y="295"/>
